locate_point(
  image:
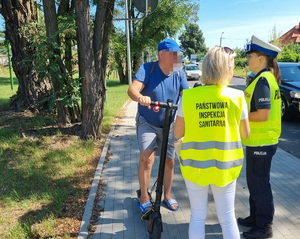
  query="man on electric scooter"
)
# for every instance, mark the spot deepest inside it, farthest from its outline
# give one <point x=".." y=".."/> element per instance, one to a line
<point x="157" y="81"/>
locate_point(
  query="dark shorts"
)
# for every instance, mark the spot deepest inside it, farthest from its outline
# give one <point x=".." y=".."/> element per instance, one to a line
<point x="150" y="137"/>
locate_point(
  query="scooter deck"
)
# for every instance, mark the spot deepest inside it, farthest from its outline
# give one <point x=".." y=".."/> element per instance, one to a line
<point x="146" y="216"/>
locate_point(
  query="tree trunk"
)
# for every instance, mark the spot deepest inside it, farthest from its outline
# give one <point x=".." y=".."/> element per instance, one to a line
<point x="103" y="26"/>
<point x="31" y="90"/>
<point x="51" y="31"/>
<point x="90" y="85"/>
<point x="65" y="114"/>
<point x="66" y="8"/>
<point x="93" y="59"/>
<point x="122" y="76"/>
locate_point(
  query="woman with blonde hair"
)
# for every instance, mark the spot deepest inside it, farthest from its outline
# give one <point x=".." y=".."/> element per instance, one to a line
<point x="212" y="119"/>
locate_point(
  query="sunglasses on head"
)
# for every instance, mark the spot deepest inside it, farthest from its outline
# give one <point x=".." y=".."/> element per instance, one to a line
<point x="228" y="50"/>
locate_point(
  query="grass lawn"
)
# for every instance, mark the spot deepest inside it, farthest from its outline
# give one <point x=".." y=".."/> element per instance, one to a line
<point x="241" y="72"/>
<point x="5" y="88"/>
<point x="45" y="171"/>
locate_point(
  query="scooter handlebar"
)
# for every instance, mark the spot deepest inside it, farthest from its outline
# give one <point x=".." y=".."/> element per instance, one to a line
<point x="158" y="104"/>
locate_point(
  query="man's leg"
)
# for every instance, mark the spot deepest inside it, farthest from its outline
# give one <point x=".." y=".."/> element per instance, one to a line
<point x="168" y="179"/>
<point x="146" y="138"/>
<point x="144" y="173"/>
<point x="169" y="166"/>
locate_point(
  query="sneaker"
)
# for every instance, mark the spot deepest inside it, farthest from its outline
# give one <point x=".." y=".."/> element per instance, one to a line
<point x="246" y="222"/>
<point x="259" y="232"/>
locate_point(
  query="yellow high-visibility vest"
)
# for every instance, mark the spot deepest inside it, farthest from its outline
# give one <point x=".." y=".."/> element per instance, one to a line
<point x="265" y="132"/>
<point x="211" y="150"/>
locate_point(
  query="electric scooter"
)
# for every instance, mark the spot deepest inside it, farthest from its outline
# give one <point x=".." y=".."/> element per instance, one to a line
<point x="153" y="215"/>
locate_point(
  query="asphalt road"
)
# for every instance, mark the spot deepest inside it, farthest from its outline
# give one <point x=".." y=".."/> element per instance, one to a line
<point x="289" y="140"/>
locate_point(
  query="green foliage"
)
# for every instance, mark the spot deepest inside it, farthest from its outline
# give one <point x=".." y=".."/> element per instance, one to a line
<point x="241" y="62"/>
<point x="117" y="48"/>
<point x="3" y="47"/>
<point x="240" y="53"/>
<point x="165" y="22"/>
<point x="48" y="63"/>
<point x="290" y="53"/>
<point x="192" y="40"/>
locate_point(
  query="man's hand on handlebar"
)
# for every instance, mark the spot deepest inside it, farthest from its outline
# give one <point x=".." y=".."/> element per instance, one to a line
<point x="145" y="101"/>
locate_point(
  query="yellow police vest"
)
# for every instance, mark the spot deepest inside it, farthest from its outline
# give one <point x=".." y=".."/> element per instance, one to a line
<point x="265" y="132"/>
<point x="211" y="150"/>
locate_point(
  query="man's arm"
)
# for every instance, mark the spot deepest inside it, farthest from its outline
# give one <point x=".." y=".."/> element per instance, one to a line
<point x="134" y="92"/>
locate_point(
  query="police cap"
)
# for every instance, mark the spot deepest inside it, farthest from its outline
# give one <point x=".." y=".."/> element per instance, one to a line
<point x="262" y="46"/>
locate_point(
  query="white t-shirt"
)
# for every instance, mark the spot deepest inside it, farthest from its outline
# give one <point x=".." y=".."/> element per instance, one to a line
<point x="243" y="116"/>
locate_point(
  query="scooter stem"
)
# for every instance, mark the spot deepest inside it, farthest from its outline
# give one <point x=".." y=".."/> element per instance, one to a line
<point x="163" y="154"/>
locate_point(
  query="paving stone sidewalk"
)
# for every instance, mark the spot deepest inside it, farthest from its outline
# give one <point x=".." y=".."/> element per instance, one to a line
<point x="120" y="218"/>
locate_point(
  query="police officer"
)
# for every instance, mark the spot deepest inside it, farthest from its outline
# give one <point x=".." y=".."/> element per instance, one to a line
<point x="264" y="104"/>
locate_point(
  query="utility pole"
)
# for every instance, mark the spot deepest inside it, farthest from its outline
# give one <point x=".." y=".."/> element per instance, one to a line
<point x="221" y="38"/>
<point x="128" y="43"/>
<point x="143" y="6"/>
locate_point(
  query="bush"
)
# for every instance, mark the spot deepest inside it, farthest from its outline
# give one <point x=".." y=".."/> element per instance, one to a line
<point x="290" y="53"/>
<point x="241" y="62"/>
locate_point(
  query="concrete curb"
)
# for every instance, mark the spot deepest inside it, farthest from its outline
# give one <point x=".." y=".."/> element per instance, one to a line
<point x="85" y="223"/>
<point x="83" y="231"/>
<point x="242" y="77"/>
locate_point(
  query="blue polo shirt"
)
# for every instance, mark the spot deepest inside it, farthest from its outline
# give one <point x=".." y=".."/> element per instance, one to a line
<point x="159" y="87"/>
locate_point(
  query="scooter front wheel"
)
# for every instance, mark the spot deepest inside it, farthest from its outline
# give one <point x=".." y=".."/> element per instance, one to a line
<point x="156" y="228"/>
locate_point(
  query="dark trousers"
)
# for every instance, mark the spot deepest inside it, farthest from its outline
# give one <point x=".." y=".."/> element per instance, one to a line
<point x="258" y="167"/>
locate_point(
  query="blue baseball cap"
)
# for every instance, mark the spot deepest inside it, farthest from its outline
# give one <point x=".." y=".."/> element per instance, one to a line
<point x="168" y="45"/>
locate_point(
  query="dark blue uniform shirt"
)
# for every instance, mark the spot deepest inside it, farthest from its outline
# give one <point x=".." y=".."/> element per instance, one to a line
<point x="261" y="94"/>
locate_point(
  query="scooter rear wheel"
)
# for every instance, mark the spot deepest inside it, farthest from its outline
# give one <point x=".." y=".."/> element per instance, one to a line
<point x="157" y="229"/>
